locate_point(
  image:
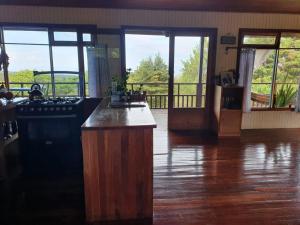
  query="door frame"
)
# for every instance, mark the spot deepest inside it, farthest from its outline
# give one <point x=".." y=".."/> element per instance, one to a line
<point x="203" y="116"/>
<point x="193" y="118"/>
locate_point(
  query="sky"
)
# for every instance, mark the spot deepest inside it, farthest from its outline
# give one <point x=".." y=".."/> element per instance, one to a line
<point x="139" y="47"/>
<point x="36" y="57"/>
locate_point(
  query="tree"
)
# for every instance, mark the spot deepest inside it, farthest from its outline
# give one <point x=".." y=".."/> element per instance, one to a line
<point x="190" y="71"/>
<point x="288" y="71"/>
<point x="151" y="71"/>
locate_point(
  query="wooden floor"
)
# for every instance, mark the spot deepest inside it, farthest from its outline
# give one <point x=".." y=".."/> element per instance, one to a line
<point x="252" y="180"/>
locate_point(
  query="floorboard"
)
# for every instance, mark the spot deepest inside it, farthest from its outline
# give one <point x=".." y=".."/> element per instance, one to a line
<point x="198" y="179"/>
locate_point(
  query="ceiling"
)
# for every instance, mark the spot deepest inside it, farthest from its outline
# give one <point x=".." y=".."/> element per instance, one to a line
<point x="268" y="6"/>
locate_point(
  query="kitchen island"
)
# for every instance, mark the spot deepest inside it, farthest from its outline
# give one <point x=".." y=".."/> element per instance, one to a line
<point x="118" y="163"/>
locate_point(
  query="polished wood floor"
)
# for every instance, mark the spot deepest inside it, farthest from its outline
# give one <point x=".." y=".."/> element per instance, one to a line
<point x="252" y="180"/>
<point x="249" y="180"/>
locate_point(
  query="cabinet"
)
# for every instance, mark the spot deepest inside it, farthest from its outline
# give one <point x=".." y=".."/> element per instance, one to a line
<point x="228" y="103"/>
<point x="9" y="151"/>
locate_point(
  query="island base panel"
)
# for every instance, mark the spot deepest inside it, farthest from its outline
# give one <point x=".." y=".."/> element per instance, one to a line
<point x="118" y="173"/>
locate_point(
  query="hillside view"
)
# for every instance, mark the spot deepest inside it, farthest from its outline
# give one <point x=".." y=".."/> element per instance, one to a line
<point x="155" y="70"/>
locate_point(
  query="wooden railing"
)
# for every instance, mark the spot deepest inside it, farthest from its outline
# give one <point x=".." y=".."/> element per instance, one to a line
<point x="45" y="85"/>
<point x="185" y="94"/>
<point x="157" y="94"/>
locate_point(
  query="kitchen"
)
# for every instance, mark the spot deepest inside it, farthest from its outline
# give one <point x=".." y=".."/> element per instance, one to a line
<point x="42" y="145"/>
<point x="49" y="154"/>
<point x="182" y="113"/>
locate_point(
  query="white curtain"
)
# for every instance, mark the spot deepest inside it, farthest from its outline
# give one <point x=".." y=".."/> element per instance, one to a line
<point x="99" y="77"/>
<point x="247" y="58"/>
<point x="297" y="106"/>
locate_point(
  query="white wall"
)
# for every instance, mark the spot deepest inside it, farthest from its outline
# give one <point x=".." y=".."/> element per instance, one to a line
<point x="227" y="23"/>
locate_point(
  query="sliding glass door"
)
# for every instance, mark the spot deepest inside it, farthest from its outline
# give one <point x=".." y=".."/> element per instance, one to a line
<point x="191" y="67"/>
<point x="174" y="66"/>
<point x="147" y="53"/>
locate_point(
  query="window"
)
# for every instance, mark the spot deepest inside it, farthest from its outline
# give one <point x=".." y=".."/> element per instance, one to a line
<point x="190" y="71"/>
<point x="276" y="68"/>
<point x="52" y="57"/>
<point x="87" y="37"/>
<point x="259" y="40"/>
<point x="65" y="36"/>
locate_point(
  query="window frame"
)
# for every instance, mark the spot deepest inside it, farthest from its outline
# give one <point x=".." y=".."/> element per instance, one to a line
<point x="51" y="28"/>
<point x="276" y="46"/>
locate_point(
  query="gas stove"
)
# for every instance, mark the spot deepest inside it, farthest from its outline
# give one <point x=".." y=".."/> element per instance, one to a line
<point x="49" y="135"/>
<point x="50" y="106"/>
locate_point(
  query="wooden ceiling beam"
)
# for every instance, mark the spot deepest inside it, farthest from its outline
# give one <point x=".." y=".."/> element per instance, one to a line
<point x="264" y="6"/>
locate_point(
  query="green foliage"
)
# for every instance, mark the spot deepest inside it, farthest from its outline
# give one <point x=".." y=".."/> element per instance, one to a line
<point x="285" y="95"/>
<point x="121" y="82"/>
<point x="156" y="71"/>
<point x="288" y="71"/>
<point x="151" y="71"/>
<point x="190" y="70"/>
<point x="26" y="76"/>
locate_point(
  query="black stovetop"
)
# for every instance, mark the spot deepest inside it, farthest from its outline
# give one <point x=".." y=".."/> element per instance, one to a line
<point x="50" y="106"/>
<point x="52" y="101"/>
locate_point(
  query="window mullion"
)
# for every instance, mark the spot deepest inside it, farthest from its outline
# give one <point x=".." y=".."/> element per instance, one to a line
<point x="50" y="35"/>
<point x="81" y="63"/>
<point x="273" y="89"/>
<point x="5" y="70"/>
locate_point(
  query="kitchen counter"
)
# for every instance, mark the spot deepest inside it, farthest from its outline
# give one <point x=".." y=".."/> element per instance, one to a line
<point x="120" y="117"/>
<point x="118" y="164"/>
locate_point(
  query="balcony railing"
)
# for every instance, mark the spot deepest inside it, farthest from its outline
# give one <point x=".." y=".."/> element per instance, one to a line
<point x="185" y="94"/>
<point x="65" y="91"/>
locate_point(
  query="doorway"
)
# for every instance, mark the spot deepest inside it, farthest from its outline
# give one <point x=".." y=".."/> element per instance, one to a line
<point x="191" y="69"/>
<point x="175" y="67"/>
<point x="147" y="58"/>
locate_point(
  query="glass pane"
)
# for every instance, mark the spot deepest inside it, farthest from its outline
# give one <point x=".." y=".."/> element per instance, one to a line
<point x="65" y="58"/>
<point x="290" y="40"/>
<point x="26" y="36"/>
<point x="259" y="40"/>
<point x="65" y="36"/>
<point x="87" y="37"/>
<point x="113" y="45"/>
<point x="190" y="77"/>
<point x="147" y="56"/>
<point x="262" y="78"/>
<point x="23" y="60"/>
<point x="1" y="76"/>
<point x="45" y="81"/>
<point x="86" y="71"/>
<point x="66" y="84"/>
<point x="288" y="73"/>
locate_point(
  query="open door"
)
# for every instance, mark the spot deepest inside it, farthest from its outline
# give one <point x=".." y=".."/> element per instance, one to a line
<point x="191" y="69"/>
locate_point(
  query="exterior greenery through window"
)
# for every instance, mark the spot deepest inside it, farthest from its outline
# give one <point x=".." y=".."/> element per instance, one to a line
<point x="276" y="67"/>
<point x="190" y="75"/>
<point x="52" y="56"/>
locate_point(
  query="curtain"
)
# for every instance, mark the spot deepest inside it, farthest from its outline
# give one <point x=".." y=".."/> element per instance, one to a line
<point x="297" y="106"/>
<point x="247" y="58"/>
<point x="99" y="77"/>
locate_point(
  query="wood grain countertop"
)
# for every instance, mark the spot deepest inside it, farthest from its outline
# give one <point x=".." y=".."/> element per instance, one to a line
<point x="109" y="118"/>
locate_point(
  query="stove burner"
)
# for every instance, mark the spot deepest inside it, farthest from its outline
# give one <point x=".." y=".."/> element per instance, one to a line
<point x="57" y="105"/>
<point x="52" y="101"/>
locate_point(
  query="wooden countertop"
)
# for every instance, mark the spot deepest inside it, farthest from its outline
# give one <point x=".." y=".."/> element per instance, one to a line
<point x="108" y="118"/>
